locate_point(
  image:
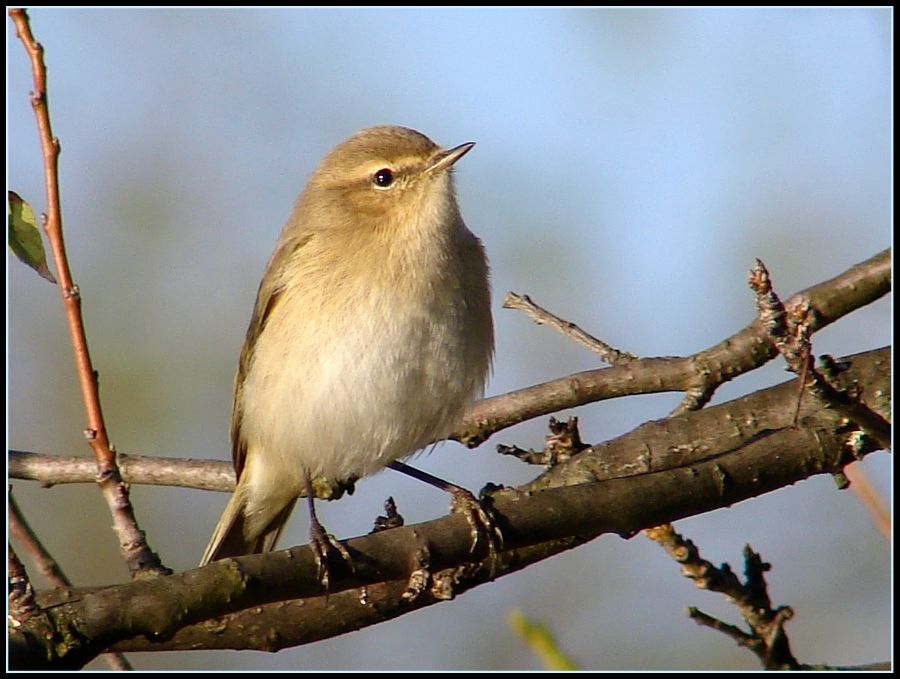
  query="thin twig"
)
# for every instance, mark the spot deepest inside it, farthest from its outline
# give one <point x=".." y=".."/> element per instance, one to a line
<point x="26" y="537"/>
<point x="789" y="327"/>
<point x="563" y="441"/>
<point x="740" y="637"/>
<point x="543" y="317"/>
<point x="132" y="542"/>
<point x="766" y="637"/>
<point x="51" y="470"/>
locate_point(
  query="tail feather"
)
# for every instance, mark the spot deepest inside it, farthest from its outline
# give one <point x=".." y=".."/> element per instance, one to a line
<point x="231" y="538"/>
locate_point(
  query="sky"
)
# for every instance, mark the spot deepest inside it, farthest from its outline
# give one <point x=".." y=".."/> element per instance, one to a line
<point x="630" y="166"/>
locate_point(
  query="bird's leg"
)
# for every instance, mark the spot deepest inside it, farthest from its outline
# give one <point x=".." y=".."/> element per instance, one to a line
<point x="321" y="542"/>
<point x="478" y="514"/>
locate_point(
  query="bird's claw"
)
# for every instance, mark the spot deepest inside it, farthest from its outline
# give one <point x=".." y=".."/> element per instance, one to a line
<point x="323" y="546"/>
<point x="482" y="522"/>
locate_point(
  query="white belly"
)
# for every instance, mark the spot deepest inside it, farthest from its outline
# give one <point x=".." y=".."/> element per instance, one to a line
<point x="358" y="390"/>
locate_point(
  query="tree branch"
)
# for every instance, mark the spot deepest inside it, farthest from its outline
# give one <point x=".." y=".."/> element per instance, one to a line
<point x="132" y="541"/>
<point x="697" y="375"/>
<point x="50" y="470"/>
<point x="751" y="347"/>
<point x="543" y="317"/>
<point x="766" y="638"/>
<point x="48" y="567"/>
<point x="541" y="518"/>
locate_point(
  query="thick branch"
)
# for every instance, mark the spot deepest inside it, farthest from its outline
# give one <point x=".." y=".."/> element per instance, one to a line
<point x="681" y="441"/>
<point x="752" y="462"/>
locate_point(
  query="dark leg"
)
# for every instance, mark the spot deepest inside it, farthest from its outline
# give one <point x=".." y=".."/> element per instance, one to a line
<point x="321" y="543"/>
<point x="477" y="513"/>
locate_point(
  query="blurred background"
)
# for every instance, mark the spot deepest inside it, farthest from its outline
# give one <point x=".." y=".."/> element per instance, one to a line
<point x="631" y="164"/>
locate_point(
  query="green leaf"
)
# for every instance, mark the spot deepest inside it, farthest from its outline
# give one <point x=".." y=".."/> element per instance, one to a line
<point x="25" y="238"/>
<point x="541" y="642"/>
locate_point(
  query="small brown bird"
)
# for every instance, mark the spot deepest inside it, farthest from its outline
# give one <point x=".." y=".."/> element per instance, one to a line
<point x="371" y="333"/>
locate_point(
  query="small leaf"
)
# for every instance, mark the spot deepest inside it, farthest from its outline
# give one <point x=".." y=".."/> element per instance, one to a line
<point x="541" y="642"/>
<point x="25" y="238"/>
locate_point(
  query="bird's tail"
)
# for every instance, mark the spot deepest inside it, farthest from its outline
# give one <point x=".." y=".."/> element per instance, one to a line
<point x="233" y="535"/>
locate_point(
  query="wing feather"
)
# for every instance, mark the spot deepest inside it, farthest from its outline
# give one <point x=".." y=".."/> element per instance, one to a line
<point x="273" y="284"/>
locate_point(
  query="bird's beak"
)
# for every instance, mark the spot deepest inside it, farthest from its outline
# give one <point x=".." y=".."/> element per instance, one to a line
<point x="445" y="159"/>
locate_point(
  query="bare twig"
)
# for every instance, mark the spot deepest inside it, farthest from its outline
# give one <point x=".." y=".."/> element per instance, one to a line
<point x="543" y="317"/>
<point x="766" y="637"/>
<point x="789" y="327"/>
<point x="740" y="637"/>
<point x="132" y="542"/>
<point x="392" y="518"/>
<point x="25" y="536"/>
<point x="563" y="441"/>
<point x="50" y="470"/>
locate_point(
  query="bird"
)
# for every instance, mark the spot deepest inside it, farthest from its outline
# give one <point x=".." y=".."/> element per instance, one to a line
<point x="370" y="335"/>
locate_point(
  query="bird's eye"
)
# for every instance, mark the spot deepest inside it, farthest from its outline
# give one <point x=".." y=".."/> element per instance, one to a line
<point x="383" y="178"/>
